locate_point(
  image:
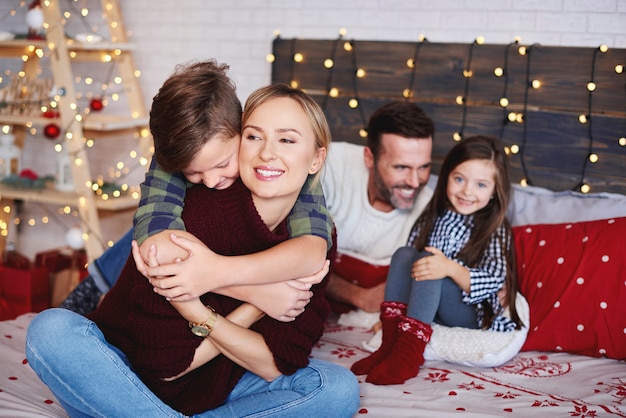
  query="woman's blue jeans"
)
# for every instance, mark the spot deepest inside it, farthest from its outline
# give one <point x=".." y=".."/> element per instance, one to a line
<point x="91" y="377"/>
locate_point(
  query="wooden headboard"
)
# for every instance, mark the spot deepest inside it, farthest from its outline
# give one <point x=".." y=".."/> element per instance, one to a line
<point x="562" y="134"/>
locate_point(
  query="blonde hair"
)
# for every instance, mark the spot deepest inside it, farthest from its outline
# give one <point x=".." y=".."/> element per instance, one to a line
<point x="313" y="111"/>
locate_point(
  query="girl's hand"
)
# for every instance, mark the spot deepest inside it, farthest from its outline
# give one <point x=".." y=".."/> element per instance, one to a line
<point x="433" y="267"/>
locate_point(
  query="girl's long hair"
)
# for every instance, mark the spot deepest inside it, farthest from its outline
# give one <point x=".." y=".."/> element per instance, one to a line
<point x="486" y="221"/>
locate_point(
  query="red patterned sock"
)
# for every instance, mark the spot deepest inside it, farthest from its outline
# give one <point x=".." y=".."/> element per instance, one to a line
<point x="406" y="356"/>
<point x="390" y="314"/>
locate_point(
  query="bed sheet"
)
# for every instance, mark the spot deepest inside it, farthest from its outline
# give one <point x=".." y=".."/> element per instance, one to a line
<point x="532" y="384"/>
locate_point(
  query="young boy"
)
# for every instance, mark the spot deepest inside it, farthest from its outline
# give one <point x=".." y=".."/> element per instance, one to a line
<point x="206" y="104"/>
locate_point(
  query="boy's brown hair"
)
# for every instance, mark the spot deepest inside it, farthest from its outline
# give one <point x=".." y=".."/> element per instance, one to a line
<point x="196" y="103"/>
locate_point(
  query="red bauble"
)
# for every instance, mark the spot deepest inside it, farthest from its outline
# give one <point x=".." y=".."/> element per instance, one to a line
<point x="51" y="131"/>
<point x="51" y="114"/>
<point x="96" y="105"/>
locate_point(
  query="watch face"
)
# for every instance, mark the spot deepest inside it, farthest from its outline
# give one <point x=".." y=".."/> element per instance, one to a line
<point x="200" y="330"/>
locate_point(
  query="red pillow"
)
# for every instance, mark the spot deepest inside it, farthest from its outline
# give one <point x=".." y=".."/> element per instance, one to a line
<point x="574" y="278"/>
<point x="359" y="272"/>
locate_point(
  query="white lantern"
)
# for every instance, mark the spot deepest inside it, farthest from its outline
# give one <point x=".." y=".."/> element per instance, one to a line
<point x="10" y="156"/>
<point x="64" y="180"/>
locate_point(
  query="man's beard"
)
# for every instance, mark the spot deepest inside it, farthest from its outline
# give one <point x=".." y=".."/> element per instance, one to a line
<point x="386" y="193"/>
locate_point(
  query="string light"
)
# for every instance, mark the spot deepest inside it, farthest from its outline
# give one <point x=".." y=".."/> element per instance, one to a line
<point x="462" y="100"/>
<point x="504" y="101"/>
<point x="329" y="64"/>
<point x="412" y="63"/>
<point x="354" y="103"/>
<point x="512" y="113"/>
<point x="521" y="118"/>
<point x="592" y="157"/>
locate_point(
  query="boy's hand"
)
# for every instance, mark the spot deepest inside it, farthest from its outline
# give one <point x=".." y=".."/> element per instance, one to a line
<point x="283" y="301"/>
<point x="185" y="278"/>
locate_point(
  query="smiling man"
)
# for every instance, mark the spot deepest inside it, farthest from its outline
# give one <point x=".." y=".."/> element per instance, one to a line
<point x="374" y="194"/>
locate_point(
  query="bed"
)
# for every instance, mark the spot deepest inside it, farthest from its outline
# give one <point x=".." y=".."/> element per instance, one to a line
<point x="560" y="371"/>
<point x="571" y="359"/>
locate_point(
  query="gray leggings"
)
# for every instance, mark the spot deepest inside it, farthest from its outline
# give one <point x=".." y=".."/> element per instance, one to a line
<point x="430" y="301"/>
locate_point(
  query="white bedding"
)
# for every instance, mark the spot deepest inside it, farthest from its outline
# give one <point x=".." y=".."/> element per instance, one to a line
<point x="531" y="384"/>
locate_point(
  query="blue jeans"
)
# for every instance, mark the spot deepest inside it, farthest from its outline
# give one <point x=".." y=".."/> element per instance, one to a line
<point x="107" y="268"/>
<point x="92" y="378"/>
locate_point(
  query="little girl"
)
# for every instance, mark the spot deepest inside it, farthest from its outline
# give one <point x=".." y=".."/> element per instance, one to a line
<point x="458" y="268"/>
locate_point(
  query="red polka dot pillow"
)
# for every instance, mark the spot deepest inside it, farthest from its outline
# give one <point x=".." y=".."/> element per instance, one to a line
<point x="574" y="278"/>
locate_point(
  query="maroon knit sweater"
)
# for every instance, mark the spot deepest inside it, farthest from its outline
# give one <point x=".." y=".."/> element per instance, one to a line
<point x="158" y="341"/>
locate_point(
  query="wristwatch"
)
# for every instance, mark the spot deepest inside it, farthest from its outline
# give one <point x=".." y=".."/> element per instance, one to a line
<point x="204" y="329"/>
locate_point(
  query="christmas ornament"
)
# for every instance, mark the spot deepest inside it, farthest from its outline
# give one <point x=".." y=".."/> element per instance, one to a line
<point x="96" y="104"/>
<point x="51" y="131"/>
<point x="50" y="114"/>
<point x="27" y="173"/>
<point x="74" y="238"/>
<point x="34" y="20"/>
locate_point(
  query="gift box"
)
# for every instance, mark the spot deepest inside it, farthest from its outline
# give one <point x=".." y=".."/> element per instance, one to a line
<point x="66" y="268"/>
<point x="23" y="291"/>
<point x="62" y="258"/>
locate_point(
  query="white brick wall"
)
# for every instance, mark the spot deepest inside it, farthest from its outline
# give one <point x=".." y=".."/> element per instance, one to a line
<point x="239" y="32"/>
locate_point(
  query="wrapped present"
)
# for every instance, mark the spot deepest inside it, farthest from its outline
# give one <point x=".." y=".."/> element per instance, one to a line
<point x="66" y="268"/>
<point x="23" y="291"/>
<point x="62" y="258"/>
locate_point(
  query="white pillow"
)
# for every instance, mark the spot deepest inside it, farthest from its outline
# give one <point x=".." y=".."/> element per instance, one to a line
<point x="535" y="205"/>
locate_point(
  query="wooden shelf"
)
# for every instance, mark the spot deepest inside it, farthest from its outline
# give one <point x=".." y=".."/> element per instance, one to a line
<point x="95" y="122"/>
<point x="50" y="195"/>
<point x="17" y="47"/>
<point x="61" y="54"/>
